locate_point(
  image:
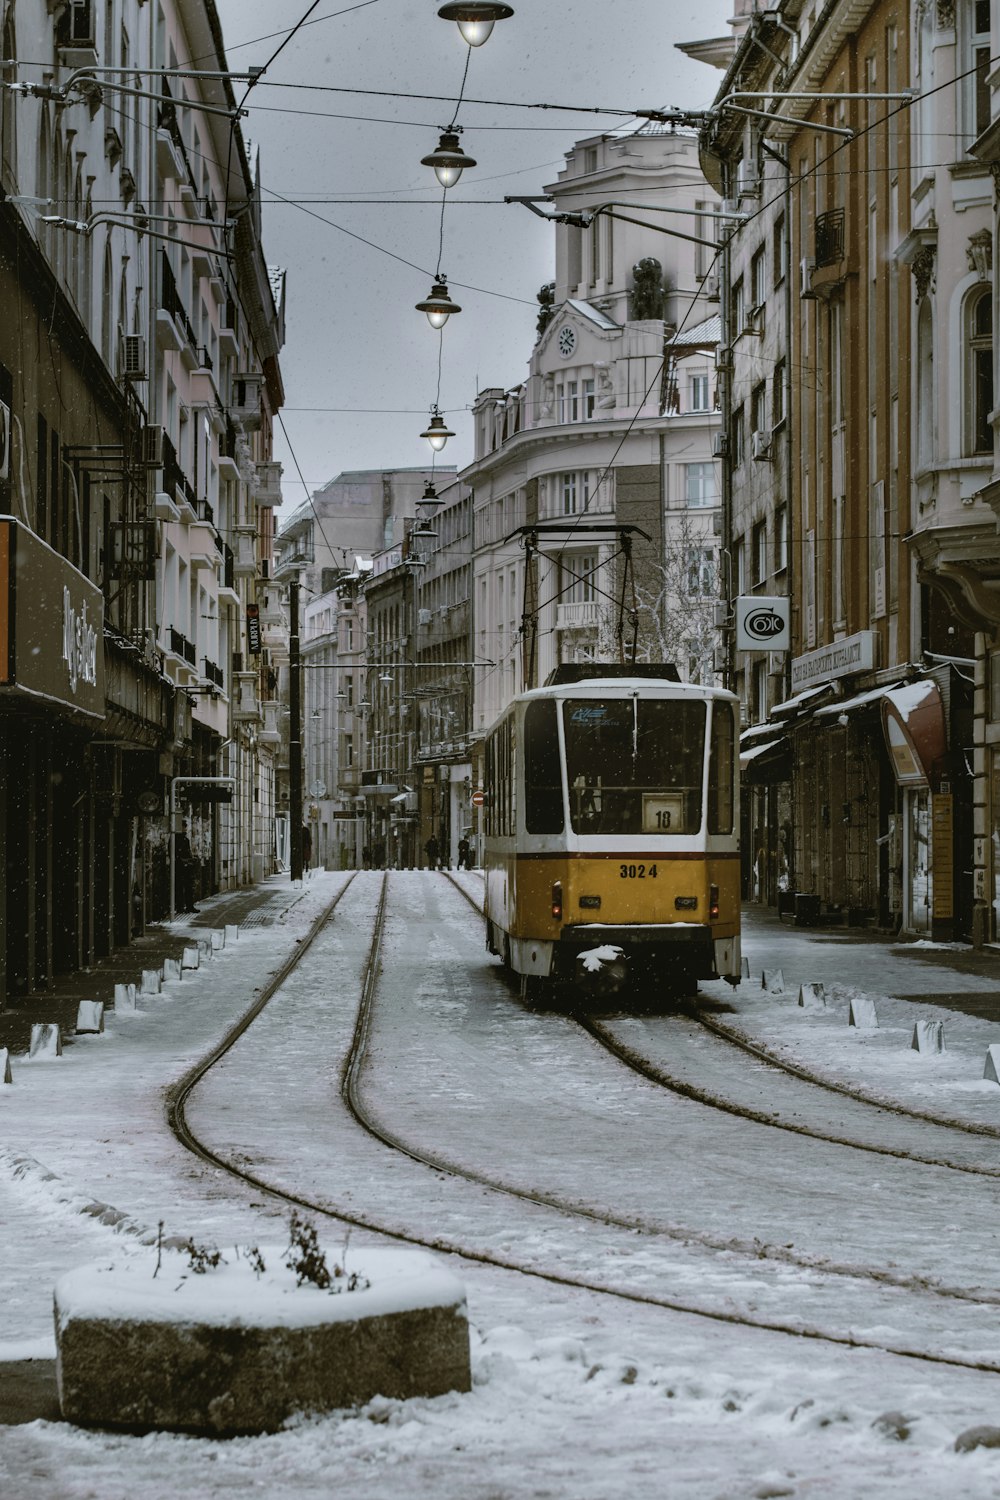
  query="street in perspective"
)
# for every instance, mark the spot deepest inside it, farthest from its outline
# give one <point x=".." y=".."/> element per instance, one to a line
<point x="499" y="750"/>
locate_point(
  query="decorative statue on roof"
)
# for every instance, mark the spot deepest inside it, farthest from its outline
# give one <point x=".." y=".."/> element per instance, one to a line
<point x="647" y="289"/>
<point x="546" y="298"/>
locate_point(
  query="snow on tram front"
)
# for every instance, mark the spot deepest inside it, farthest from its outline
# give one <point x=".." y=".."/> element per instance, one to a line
<point x="612" y="832"/>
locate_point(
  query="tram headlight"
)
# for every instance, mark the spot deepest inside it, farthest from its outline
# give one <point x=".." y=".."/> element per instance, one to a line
<point x="557" y="901"/>
<point x="713" y="903"/>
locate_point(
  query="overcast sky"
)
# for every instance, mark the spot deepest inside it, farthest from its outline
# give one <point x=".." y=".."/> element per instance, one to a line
<point x="360" y="366"/>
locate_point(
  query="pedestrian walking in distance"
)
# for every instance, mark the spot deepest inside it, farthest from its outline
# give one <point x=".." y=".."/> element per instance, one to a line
<point x="431" y="849"/>
<point x="464" y="855"/>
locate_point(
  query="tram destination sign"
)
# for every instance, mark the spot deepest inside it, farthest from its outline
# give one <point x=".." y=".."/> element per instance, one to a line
<point x="763" y="624"/>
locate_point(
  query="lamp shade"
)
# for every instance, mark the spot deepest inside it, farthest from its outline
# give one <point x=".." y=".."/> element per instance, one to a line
<point x="438" y="305"/>
<point x="475" y="20"/>
<point x="436" y="433"/>
<point x="449" y="160"/>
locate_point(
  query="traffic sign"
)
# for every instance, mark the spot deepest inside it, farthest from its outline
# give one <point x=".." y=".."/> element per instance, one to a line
<point x="478" y="798"/>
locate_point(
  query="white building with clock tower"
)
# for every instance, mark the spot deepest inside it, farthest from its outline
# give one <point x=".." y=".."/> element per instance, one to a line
<point x="607" y="445"/>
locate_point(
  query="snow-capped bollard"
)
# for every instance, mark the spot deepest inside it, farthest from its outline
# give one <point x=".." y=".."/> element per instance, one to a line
<point x="862" y="1013"/>
<point x="928" y="1036"/>
<point x="773" y="981"/>
<point x="812" y="996"/>
<point x="150" y="982"/>
<point x="232" y="932"/>
<point x="6" y="1076"/>
<point x="992" y="1068"/>
<point x="46" y="1040"/>
<point x="218" y="939"/>
<point x="191" y="958"/>
<point x="90" y="1018"/>
<point x="172" y="970"/>
<point x="744" y="968"/>
<point x="124" y="998"/>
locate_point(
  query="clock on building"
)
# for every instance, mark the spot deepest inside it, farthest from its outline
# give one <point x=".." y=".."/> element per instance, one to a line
<point x="566" y="340"/>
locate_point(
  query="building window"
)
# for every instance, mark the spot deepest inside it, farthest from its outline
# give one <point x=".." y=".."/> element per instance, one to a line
<point x="758" y="408"/>
<point x="578" y="579"/>
<point x="758" y="291"/>
<point x="759" y="549"/>
<point x="779" y="395"/>
<point x="781" y="539"/>
<point x="980" y="372"/>
<point x="700" y="395"/>
<point x="739" y="565"/>
<point x="587" y="399"/>
<point x="737" y="438"/>
<point x="700" y="572"/>
<point x="779" y="253"/>
<point x="574" y="491"/>
<point x="737" y="309"/>
<point x="977" y="66"/>
<point x="701" y="485"/>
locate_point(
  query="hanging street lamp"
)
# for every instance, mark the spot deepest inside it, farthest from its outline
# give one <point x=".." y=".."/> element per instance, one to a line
<point x="438" y="305"/>
<point x="475" y="20"/>
<point x="436" y="433"/>
<point x="449" y="160"/>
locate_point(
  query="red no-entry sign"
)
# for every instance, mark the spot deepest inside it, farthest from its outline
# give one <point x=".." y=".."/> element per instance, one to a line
<point x="478" y="798"/>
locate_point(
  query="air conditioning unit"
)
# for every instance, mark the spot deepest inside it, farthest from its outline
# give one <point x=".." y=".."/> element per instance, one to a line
<point x="4" y="441"/>
<point x="424" y="616"/>
<point x="153" y="447"/>
<point x="710" y="287"/>
<point x="747" y="180"/>
<point x="133" y="357"/>
<point x="720" y="446"/>
<point x="723" y="357"/>
<point x="806" y="267"/>
<point x="754" y="320"/>
<point x="730" y="217"/>
<point x="760" y="445"/>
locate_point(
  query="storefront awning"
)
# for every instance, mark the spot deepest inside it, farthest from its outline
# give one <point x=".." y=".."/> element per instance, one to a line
<point x="803" y="702"/>
<point x="915" y="731"/>
<point x="855" y="703"/>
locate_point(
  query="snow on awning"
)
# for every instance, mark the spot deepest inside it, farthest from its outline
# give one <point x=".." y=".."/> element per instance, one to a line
<point x="753" y="751"/>
<point x="859" y="701"/>
<point x="801" y="701"/>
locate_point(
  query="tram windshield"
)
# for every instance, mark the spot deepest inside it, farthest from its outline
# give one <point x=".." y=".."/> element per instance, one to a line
<point x="634" y="765"/>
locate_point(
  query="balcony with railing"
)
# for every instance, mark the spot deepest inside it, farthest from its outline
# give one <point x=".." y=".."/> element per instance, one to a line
<point x="180" y="658"/>
<point x="829" y="253"/>
<point x="173" y="326"/>
<point x="583" y="616"/>
<point x="268" y="491"/>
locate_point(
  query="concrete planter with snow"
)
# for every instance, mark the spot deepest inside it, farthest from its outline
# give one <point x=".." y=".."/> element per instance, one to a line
<point x="239" y="1350"/>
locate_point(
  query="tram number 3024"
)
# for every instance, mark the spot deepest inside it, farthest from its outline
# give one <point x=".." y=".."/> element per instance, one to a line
<point x="637" y="872"/>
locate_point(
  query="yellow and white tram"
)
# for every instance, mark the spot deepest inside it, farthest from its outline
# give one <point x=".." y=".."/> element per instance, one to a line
<point x="612" y="831"/>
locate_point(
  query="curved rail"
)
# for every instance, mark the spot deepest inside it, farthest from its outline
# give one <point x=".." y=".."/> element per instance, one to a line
<point x="178" y="1094"/>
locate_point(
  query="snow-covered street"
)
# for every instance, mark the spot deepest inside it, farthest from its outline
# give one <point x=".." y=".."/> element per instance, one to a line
<point x="663" y="1293"/>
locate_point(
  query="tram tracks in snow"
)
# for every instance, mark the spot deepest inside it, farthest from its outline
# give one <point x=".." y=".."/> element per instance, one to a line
<point x="179" y="1095"/>
<point x="656" y="1072"/>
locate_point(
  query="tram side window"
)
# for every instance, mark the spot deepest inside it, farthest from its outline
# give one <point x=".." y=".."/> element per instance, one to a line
<point x="721" y="769"/>
<point x="499" y="782"/>
<point x="543" y="795"/>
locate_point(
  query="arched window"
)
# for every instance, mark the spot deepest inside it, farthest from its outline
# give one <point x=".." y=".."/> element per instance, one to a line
<point x="979" y="403"/>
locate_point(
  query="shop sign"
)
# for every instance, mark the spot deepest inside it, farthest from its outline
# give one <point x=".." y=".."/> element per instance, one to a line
<point x="943" y="855"/>
<point x="51" y="625"/>
<point x="763" y="624"/>
<point x="253" y="629"/>
<point x="856" y="653"/>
